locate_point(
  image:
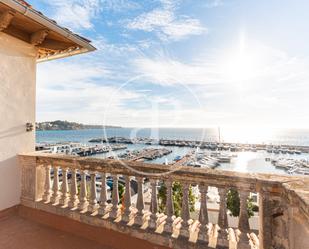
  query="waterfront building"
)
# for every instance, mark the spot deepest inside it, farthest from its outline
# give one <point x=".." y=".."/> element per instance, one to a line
<point x="44" y="199"/>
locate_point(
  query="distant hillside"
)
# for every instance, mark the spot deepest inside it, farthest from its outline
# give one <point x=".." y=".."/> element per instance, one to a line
<point x="66" y="125"/>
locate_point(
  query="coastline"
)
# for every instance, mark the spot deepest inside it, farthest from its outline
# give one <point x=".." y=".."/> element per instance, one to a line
<point x="287" y="137"/>
<point x="246" y="161"/>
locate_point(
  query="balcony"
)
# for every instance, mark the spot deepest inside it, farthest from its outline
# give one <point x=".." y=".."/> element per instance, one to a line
<point x="76" y="200"/>
<point x="17" y="232"/>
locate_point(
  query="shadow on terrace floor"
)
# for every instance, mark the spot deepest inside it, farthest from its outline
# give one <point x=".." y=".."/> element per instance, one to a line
<point x="19" y="233"/>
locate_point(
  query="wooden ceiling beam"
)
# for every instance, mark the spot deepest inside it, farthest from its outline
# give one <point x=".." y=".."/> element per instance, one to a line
<point x="38" y="37"/>
<point x="55" y="45"/>
<point x="17" y="33"/>
<point x="5" y="19"/>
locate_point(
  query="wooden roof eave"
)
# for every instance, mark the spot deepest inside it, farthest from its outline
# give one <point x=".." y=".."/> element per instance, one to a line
<point x="62" y="55"/>
<point x="31" y="26"/>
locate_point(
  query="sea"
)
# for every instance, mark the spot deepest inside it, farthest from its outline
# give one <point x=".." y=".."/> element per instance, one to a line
<point x="243" y="161"/>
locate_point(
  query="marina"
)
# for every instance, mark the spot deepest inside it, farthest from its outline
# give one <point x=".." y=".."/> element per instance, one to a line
<point x="262" y="158"/>
<point x="77" y="149"/>
<point x="145" y="154"/>
<point x="221" y="146"/>
<point x="292" y="166"/>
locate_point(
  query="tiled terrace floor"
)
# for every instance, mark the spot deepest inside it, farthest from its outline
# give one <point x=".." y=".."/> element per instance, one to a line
<point x="19" y="233"/>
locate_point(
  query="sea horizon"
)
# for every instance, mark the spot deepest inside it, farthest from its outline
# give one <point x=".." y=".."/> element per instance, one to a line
<point x="278" y="136"/>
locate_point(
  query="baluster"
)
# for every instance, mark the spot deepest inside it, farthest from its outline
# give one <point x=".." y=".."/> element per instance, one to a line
<point x="83" y="202"/>
<point x="168" y="227"/>
<point x="203" y="215"/>
<point x="140" y="202"/>
<point x="73" y="203"/>
<point x="243" y="222"/>
<point x="127" y="200"/>
<point x="48" y="192"/>
<point x="93" y="204"/>
<point x="153" y="205"/>
<point x="64" y="188"/>
<point x="222" y="218"/>
<point x="56" y="193"/>
<point x="103" y="195"/>
<point x="265" y="219"/>
<point x="185" y="212"/>
<point x="115" y="198"/>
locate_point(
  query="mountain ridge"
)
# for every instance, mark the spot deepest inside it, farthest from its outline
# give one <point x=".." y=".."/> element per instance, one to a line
<point x="66" y="125"/>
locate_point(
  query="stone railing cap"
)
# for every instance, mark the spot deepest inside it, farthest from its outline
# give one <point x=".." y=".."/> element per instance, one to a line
<point x="297" y="187"/>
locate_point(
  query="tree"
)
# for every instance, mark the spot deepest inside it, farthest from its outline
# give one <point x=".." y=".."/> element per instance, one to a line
<point x="177" y="198"/>
<point x="121" y="190"/>
<point x="233" y="203"/>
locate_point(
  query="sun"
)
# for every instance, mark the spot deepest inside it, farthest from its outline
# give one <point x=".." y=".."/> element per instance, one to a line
<point x="240" y="67"/>
<point x="240" y="63"/>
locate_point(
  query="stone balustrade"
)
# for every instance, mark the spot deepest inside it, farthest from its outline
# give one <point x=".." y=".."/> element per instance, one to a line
<point x="77" y="188"/>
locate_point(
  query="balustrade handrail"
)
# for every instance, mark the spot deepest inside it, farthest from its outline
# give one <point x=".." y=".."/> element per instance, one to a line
<point x="277" y="193"/>
<point x="254" y="182"/>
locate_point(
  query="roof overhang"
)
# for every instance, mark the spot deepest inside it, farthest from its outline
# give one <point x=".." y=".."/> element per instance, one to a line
<point x="21" y="21"/>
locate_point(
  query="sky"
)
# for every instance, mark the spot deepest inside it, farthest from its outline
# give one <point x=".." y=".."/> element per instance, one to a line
<point x="180" y="63"/>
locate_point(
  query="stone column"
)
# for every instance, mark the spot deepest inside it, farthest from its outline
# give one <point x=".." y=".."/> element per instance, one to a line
<point x="48" y="192"/>
<point x="203" y="215"/>
<point x="168" y="227"/>
<point x="127" y="200"/>
<point x="115" y="198"/>
<point x="103" y="195"/>
<point x="153" y="205"/>
<point x="64" y="188"/>
<point x="83" y="202"/>
<point x="243" y="222"/>
<point x="140" y="201"/>
<point x="73" y="203"/>
<point x="265" y="220"/>
<point x="222" y="218"/>
<point x="33" y="176"/>
<point x="56" y="193"/>
<point x="93" y="204"/>
<point x="185" y="212"/>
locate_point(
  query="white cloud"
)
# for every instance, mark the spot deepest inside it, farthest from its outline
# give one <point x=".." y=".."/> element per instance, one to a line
<point x="256" y="84"/>
<point x="151" y="20"/>
<point x="76" y="14"/>
<point x="166" y="71"/>
<point x="261" y="84"/>
<point x="87" y="104"/>
<point x="119" y="5"/>
<point x="183" y="28"/>
<point x="257" y="65"/>
<point x="275" y="95"/>
<point x="80" y="14"/>
<point x="194" y="117"/>
<point x="70" y="91"/>
<point x="166" y="23"/>
<point x="70" y="73"/>
<point x="214" y="3"/>
<point x="113" y="49"/>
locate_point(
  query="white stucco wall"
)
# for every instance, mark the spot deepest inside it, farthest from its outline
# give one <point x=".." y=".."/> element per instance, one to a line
<point x="17" y="107"/>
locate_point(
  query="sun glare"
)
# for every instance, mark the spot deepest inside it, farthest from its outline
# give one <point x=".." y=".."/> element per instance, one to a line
<point x="245" y="134"/>
<point x="240" y="62"/>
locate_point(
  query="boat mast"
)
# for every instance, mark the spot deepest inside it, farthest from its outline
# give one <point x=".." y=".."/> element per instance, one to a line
<point x="219" y="134"/>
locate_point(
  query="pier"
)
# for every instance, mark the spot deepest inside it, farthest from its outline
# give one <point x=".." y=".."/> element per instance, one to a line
<point x="234" y="147"/>
<point x="203" y="154"/>
<point x="146" y="154"/>
<point x="78" y="148"/>
<point x="224" y="146"/>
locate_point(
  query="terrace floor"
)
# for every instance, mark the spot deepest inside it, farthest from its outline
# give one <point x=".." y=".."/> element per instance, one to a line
<point x="19" y="233"/>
